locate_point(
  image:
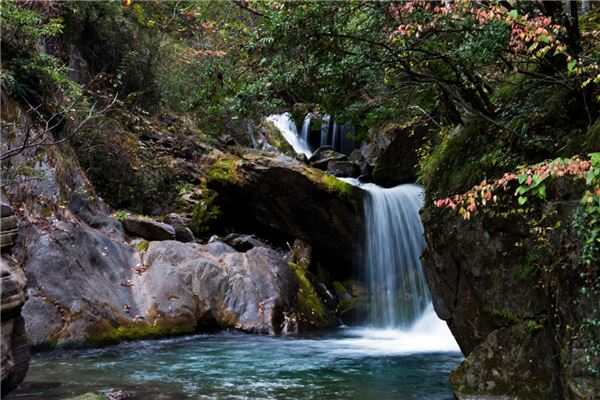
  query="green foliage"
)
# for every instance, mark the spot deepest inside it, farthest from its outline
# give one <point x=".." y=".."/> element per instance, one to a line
<point x="27" y="70"/>
<point x="126" y="174"/>
<point x="587" y="225"/>
<point x="223" y="170"/>
<point x="463" y="158"/>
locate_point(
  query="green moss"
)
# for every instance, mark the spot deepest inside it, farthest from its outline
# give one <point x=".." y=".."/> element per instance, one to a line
<point x="334" y="185"/>
<point x="106" y="333"/>
<point x="205" y="212"/>
<point x="88" y="396"/>
<point x="340" y="289"/>
<point x="223" y="170"/>
<point x="276" y="139"/>
<point x="310" y="307"/>
<point x="506" y="315"/>
<point x="463" y="158"/>
<point x="121" y="214"/>
<point x="354" y="305"/>
<point x="142" y="245"/>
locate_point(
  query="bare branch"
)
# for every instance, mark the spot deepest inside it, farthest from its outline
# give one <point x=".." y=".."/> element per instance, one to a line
<point x="38" y="140"/>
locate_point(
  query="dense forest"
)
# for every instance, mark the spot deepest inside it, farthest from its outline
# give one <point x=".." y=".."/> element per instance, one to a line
<point x="152" y="186"/>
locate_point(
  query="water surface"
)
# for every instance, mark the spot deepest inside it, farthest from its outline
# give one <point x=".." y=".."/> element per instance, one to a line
<point x="350" y="364"/>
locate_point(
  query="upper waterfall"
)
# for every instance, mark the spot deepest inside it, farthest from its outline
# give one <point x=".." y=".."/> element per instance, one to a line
<point x="287" y="127"/>
<point x="329" y="133"/>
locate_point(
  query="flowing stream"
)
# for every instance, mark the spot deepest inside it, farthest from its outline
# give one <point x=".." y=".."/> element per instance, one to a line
<point x="405" y="351"/>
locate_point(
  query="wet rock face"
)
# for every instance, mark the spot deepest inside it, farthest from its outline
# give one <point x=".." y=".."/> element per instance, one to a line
<point x="513" y="321"/>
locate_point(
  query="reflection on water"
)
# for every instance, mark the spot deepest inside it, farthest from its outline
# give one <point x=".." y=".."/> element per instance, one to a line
<point x="352" y="364"/>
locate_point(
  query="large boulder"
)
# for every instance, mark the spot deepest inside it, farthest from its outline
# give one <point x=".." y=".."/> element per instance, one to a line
<point x="216" y="286"/>
<point x="509" y="286"/>
<point x="288" y="200"/>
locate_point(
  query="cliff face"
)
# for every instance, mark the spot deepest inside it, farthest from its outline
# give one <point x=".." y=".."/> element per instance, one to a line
<point x="509" y="285"/>
<point x="14" y="344"/>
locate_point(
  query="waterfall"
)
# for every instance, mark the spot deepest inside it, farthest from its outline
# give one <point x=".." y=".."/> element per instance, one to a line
<point x="401" y="315"/>
<point x="325" y="130"/>
<point x="331" y="133"/>
<point x="305" y="132"/>
<point x="393" y="246"/>
<point x="286" y="125"/>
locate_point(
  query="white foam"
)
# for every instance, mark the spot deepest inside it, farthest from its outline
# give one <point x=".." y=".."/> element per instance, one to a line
<point x="429" y="334"/>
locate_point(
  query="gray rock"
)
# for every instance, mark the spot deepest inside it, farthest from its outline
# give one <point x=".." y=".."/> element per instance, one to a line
<point x="78" y="282"/>
<point x="14" y="345"/>
<point x="8" y="226"/>
<point x="148" y="228"/>
<point x="322" y="156"/>
<point x="214" y="285"/>
<point x="182" y="232"/>
<point x="243" y="243"/>
<point x="84" y="285"/>
<point x="343" y="169"/>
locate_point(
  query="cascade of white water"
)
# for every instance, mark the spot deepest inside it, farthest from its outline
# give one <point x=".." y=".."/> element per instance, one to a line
<point x="325" y="130"/>
<point x="285" y="124"/>
<point x="306" y="128"/>
<point x="393" y="246"/>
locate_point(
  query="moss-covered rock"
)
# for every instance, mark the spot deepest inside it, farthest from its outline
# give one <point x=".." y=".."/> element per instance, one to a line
<point x="274" y="137"/>
<point x="287" y="199"/>
<point x="313" y="310"/>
